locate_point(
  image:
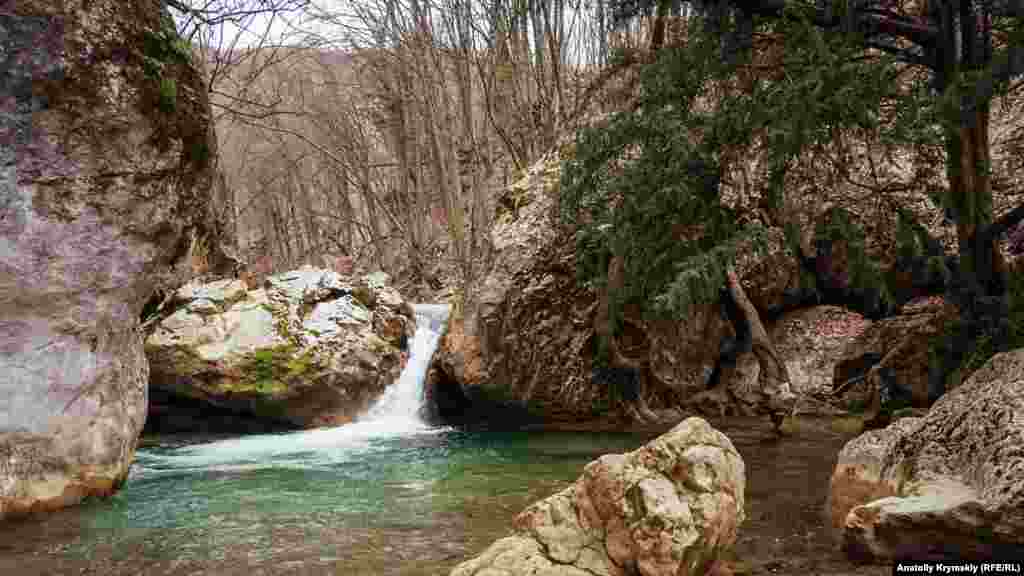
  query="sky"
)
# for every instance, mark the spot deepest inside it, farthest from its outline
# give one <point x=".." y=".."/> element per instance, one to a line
<point x="254" y="22"/>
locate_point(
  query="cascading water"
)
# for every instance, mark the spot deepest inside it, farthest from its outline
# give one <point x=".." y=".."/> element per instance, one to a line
<point x="396" y="413"/>
<point x="398" y="409"/>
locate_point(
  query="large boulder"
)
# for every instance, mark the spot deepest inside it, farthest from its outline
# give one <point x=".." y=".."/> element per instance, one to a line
<point x="948" y="485"/>
<point x="809" y="342"/>
<point x="105" y="150"/>
<point x="894" y="349"/>
<point x="670" y="508"/>
<point x="525" y="347"/>
<point x="311" y="348"/>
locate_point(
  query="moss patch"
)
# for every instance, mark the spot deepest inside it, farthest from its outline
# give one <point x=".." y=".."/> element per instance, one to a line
<point x="181" y="359"/>
<point x="273" y="371"/>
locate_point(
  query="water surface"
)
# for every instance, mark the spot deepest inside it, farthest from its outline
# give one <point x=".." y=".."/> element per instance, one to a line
<point x="391" y="495"/>
<point x="320" y="502"/>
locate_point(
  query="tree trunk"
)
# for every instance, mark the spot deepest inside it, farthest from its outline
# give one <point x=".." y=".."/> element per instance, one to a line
<point x="604" y="332"/>
<point x="773" y="377"/>
<point x="980" y="291"/>
<point x="971" y="186"/>
<point x="658" y="28"/>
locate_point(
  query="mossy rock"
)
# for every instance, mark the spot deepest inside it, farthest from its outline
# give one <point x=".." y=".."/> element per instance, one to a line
<point x="272" y="371"/>
<point x="184" y="359"/>
<point x="364" y="295"/>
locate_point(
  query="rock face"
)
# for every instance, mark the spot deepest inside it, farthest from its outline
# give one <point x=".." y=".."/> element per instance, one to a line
<point x="668" y="509"/>
<point x="810" y="341"/>
<point x="948" y="485"/>
<point x="104" y="170"/>
<point x="527" y="347"/>
<point x="896" y="346"/>
<point x="310" y="348"/>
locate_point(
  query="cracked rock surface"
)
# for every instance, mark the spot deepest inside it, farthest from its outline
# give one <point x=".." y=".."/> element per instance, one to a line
<point x="948" y="485"/>
<point x="310" y="348"/>
<point x="102" y="185"/>
<point x="671" y="507"/>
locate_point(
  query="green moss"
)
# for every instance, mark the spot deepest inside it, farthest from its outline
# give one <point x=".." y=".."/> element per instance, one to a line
<point x="198" y="154"/>
<point x="167" y="97"/>
<point x="163" y="51"/>
<point x="857" y="406"/>
<point x="182" y="359"/>
<point x="281" y="325"/>
<point x="512" y="201"/>
<point x="274" y="371"/>
<point x="364" y="295"/>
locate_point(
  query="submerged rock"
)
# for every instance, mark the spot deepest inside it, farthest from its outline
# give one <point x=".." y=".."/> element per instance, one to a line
<point x="310" y="348"/>
<point x="945" y="486"/>
<point x="105" y="148"/>
<point x="670" y="508"/>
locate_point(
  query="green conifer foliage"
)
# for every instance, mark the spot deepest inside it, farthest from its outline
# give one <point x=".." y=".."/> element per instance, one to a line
<point x="645" y="183"/>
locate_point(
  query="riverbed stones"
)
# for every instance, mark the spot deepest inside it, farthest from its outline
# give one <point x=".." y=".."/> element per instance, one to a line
<point x="947" y="485"/>
<point x="670" y="508"/>
<point x="104" y="180"/>
<point x="311" y="348"/>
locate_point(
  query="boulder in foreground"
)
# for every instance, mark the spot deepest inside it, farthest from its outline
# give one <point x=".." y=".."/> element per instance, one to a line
<point x="670" y="508"/>
<point x="945" y="486"/>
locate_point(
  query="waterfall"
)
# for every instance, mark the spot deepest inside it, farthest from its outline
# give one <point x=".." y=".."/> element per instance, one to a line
<point x="395" y="413"/>
<point x="399" y="407"/>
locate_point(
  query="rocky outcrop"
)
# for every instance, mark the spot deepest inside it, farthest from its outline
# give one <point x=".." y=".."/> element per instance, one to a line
<point x="670" y="508"/>
<point x="311" y="348"/>
<point x="526" y="347"/>
<point x="105" y="150"/>
<point x="892" y="352"/>
<point x="948" y="485"/>
<point x="810" y="340"/>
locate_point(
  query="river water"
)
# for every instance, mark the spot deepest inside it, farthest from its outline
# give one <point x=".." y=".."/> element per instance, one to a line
<point x="389" y="495"/>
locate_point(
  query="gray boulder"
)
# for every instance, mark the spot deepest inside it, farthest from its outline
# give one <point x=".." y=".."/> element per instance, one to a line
<point x="948" y="485"/>
<point x="105" y="150"/>
<point x="311" y="348"/>
<point x="529" y="305"/>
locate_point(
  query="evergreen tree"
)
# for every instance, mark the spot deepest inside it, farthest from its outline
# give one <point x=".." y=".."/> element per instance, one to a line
<point x="643" y="190"/>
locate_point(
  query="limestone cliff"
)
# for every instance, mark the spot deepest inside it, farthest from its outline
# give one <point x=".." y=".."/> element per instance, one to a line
<point x="105" y="150"/>
<point x="525" y="348"/>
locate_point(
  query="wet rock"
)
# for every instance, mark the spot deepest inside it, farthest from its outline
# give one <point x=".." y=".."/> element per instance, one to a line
<point x="312" y="348"/>
<point x="670" y="508"/>
<point x="948" y="485"/>
<point x="104" y="179"/>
